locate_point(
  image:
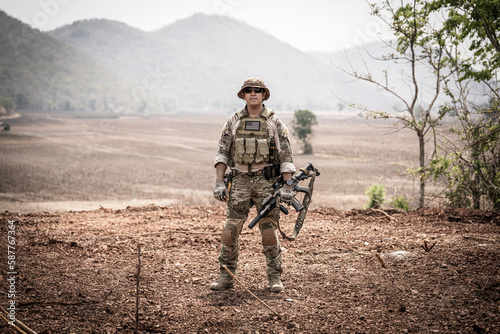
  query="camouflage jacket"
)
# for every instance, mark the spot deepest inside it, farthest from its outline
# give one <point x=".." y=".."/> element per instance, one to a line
<point x="277" y="130"/>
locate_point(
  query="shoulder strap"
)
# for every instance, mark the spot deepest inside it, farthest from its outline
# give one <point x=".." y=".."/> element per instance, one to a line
<point x="267" y="113"/>
<point x="240" y="113"/>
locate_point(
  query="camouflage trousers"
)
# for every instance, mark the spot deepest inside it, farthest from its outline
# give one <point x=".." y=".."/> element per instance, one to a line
<point x="246" y="191"/>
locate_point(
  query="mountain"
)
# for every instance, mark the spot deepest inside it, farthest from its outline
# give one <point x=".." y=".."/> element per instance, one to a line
<point x="192" y="64"/>
<point x="40" y="72"/>
<point x="372" y="58"/>
<point x="201" y="61"/>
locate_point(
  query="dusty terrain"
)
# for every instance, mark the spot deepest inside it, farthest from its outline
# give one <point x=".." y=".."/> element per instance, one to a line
<point x="76" y="273"/>
<point x="71" y="161"/>
<point x="79" y="193"/>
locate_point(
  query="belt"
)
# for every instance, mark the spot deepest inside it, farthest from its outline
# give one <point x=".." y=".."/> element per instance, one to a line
<point x="269" y="172"/>
<point x="256" y="173"/>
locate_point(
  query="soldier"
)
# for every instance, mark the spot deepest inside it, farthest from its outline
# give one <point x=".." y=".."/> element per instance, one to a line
<point x="254" y="143"/>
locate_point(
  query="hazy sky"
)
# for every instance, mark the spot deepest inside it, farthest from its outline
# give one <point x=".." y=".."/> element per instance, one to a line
<point x="314" y="25"/>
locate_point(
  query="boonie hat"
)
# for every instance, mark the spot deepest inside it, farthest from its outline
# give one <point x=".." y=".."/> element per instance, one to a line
<point x="254" y="82"/>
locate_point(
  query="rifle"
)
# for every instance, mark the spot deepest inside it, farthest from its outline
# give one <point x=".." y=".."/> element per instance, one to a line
<point x="271" y="201"/>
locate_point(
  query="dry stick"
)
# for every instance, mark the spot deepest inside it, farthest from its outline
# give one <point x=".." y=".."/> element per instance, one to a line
<point x="385" y="213"/>
<point x="338" y="214"/>
<point x="18" y="325"/>
<point x="244" y="287"/>
<point x="62" y="250"/>
<point x="137" y="288"/>
<point x="426" y="246"/>
<point x="380" y="259"/>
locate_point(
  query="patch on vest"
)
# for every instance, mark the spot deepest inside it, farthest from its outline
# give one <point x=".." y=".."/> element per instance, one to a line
<point x="252" y="125"/>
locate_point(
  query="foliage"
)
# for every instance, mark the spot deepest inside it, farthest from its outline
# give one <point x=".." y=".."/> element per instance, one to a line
<point x="416" y="48"/>
<point x="376" y="196"/>
<point x="302" y="124"/>
<point x="400" y="202"/>
<point x="469" y="165"/>
<point x="7" y="104"/>
<point x="458" y="40"/>
<point x="476" y="23"/>
<point x="471" y="172"/>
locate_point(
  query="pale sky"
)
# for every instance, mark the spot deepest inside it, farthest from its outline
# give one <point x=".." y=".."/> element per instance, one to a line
<point x="314" y="25"/>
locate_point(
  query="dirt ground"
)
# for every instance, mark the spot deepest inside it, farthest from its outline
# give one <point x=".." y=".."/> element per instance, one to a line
<point x="76" y="272"/>
<point x="82" y="192"/>
<point x="71" y="161"/>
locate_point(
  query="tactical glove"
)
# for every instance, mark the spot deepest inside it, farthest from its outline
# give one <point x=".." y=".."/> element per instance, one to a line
<point x="220" y="192"/>
<point x="286" y="193"/>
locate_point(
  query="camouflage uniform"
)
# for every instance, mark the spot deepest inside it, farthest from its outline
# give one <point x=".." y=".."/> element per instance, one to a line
<point x="250" y="187"/>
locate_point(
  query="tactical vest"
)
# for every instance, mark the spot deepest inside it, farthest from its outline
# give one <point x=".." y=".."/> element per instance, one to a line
<point x="251" y="142"/>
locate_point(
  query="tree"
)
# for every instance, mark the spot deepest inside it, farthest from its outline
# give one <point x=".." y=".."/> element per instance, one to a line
<point x="470" y="164"/>
<point x="302" y="124"/>
<point x="414" y="48"/>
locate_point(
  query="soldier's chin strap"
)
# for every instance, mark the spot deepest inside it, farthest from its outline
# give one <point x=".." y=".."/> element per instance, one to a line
<point x="305" y="202"/>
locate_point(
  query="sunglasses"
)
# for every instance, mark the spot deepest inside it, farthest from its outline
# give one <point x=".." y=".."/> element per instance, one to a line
<point x="248" y="90"/>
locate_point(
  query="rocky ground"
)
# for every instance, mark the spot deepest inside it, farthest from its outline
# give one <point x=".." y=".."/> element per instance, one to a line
<point x="357" y="271"/>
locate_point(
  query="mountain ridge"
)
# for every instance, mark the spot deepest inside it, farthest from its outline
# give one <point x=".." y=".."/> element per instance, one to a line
<point x="217" y="52"/>
<point x="40" y="72"/>
<point x="194" y="63"/>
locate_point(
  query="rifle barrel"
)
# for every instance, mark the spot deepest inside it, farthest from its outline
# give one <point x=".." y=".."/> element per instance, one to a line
<point x="255" y="221"/>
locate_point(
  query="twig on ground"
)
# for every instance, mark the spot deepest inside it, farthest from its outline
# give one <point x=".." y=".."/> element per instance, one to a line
<point x="380" y="259"/>
<point x="107" y="294"/>
<point x="337" y="213"/>
<point x="244" y="287"/>
<point x="138" y="276"/>
<point x="130" y="316"/>
<point x="385" y="213"/>
<point x="62" y="250"/>
<point x="59" y="303"/>
<point x="18" y="325"/>
<point x="426" y="246"/>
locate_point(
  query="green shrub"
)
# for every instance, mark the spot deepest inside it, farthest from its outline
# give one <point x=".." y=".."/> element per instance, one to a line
<point x="376" y="196"/>
<point x="400" y="202"/>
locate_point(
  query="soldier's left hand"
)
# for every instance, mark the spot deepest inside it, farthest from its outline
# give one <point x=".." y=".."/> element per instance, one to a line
<point x="286" y="193"/>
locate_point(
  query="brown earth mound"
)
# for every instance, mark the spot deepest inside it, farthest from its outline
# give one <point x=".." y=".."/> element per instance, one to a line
<point x="358" y="271"/>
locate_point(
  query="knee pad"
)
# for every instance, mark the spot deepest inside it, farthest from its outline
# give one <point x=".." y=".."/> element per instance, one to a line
<point x="227" y="237"/>
<point x="269" y="237"/>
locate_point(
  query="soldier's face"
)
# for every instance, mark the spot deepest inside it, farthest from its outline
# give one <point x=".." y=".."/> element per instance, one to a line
<point x="253" y="98"/>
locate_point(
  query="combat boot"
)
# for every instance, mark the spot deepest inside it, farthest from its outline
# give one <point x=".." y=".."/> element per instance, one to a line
<point x="275" y="284"/>
<point x="223" y="282"/>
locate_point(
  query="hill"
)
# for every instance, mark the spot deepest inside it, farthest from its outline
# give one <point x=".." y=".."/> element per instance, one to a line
<point x="40" y="72"/>
<point x="373" y="59"/>
<point x="201" y="61"/>
<point x="195" y="63"/>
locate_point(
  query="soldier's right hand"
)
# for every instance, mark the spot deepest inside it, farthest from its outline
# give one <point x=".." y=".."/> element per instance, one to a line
<point x="220" y="192"/>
